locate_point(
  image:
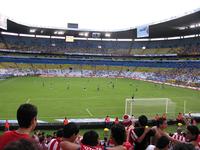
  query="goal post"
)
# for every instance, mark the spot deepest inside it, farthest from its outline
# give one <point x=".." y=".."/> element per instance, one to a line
<point x="150" y="107"/>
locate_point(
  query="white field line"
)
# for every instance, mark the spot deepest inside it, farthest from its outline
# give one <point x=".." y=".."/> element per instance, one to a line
<point x="28" y="100"/>
<point x="89" y="112"/>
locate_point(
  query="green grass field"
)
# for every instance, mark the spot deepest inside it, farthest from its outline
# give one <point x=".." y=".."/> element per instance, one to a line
<point x="74" y="97"/>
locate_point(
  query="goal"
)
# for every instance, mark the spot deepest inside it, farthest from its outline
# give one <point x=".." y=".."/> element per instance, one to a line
<point x="150" y="107"/>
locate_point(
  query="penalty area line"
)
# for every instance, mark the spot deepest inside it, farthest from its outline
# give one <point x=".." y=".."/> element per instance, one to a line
<point x="89" y="112"/>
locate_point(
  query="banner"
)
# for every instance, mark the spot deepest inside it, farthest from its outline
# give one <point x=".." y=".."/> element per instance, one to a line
<point x="3" y="22"/>
<point x="142" y="31"/>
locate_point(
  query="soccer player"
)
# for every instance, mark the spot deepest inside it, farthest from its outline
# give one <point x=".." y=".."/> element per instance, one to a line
<point x="27" y="120"/>
<point x="98" y="88"/>
<point x="113" y="86"/>
<point x="133" y="96"/>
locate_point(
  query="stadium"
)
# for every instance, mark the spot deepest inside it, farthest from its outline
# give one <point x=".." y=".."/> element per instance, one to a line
<point x="86" y="75"/>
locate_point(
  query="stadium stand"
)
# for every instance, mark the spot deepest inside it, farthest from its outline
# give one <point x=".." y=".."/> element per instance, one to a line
<point x="168" y="61"/>
<point x="189" y="46"/>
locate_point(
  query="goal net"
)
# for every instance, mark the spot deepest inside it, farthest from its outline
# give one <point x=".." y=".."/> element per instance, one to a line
<point x="150" y="107"/>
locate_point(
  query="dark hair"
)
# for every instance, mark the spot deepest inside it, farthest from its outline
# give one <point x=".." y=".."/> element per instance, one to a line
<point x="90" y="138"/>
<point x="193" y="130"/>
<point x="162" y="142"/>
<point x="183" y="146"/>
<point x="160" y="122"/>
<point x="25" y="114"/>
<point x="70" y="129"/>
<point x="41" y="138"/>
<point x="59" y="133"/>
<point x="21" y="144"/>
<point x="143" y="120"/>
<point x="118" y="133"/>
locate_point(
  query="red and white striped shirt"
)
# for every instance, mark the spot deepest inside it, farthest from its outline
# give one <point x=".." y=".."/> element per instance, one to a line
<point x="178" y="137"/>
<point x="54" y="144"/>
<point x="86" y="147"/>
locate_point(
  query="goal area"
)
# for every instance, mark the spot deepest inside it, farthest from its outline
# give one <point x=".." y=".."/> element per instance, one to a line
<point x="150" y="107"/>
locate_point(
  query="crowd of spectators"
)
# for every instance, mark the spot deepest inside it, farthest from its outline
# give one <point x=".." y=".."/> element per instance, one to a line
<point x="125" y="135"/>
<point x="48" y="45"/>
<point x="186" y="77"/>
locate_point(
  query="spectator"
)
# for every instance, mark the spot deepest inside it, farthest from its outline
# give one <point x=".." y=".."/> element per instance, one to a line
<point x="70" y="134"/>
<point x="7" y="126"/>
<point x="159" y="130"/>
<point x="65" y="121"/>
<point x="127" y="122"/>
<point x="21" y="144"/>
<point x="116" y="120"/>
<point x="42" y="143"/>
<point x="178" y="135"/>
<point x="107" y="122"/>
<point x="27" y="120"/>
<point x="183" y="146"/>
<point x="180" y="118"/>
<point x="106" y="132"/>
<point x="192" y="135"/>
<point x="132" y="119"/>
<point x="164" y="116"/>
<point x="140" y="136"/>
<point x="118" y="138"/>
<point x="54" y="144"/>
<point x="157" y="117"/>
<point x="90" y="141"/>
<point x="162" y="144"/>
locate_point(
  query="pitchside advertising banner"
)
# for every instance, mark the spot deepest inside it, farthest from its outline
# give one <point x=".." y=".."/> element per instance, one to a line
<point x="69" y="39"/>
<point x="143" y="31"/>
<point x="3" y="22"/>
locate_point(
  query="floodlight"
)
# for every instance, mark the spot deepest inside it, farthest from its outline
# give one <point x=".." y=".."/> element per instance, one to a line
<point x="80" y="34"/>
<point x="143" y="47"/>
<point x="192" y="26"/>
<point x="86" y="34"/>
<point x="99" y="46"/>
<point x="83" y="34"/>
<point x="107" y="34"/>
<point x="61" y="32"/>
<point x="32" y="30"/>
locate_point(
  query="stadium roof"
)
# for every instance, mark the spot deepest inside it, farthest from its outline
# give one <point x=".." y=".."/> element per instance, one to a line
<point x="188" y="24"/>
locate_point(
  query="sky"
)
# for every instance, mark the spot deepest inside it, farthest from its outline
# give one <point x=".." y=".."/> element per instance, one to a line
<point x="102" y="15"/>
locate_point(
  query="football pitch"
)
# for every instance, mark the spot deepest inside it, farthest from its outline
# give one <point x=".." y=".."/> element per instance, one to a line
<point x="86" y="97"/>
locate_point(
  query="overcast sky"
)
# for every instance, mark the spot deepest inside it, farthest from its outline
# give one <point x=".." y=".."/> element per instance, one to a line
<point x="94" y="14"/>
